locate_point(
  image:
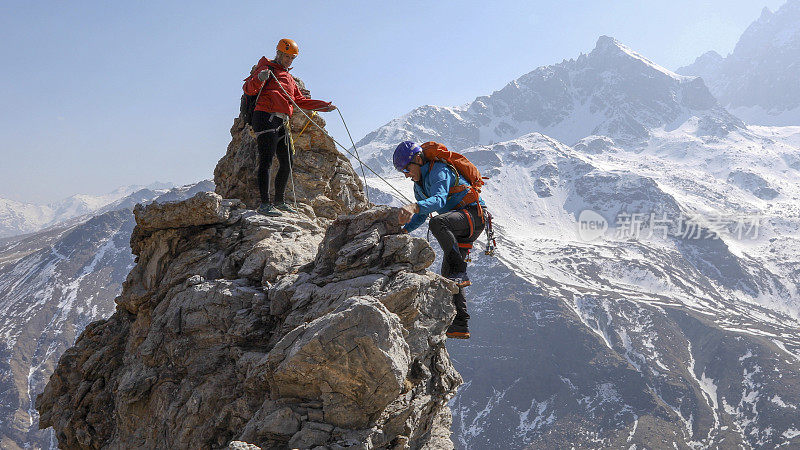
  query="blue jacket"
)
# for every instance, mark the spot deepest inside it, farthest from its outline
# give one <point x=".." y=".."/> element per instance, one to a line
<point x="431" y="193"/>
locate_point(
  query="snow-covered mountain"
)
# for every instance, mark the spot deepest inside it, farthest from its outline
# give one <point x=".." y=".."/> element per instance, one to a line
<point x="612" y="91"/>
<point x="19" y="218"/>
<point x="651" y="334"/>
<point x="674" y="326"/>
<point x="647" y="336"/>
<point x="759" y="80"/>
<point x="52" y="284"/>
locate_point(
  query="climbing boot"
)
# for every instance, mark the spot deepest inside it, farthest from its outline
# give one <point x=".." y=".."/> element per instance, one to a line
<point x="267" y="209"/>
<point x="461" y="279"/>
<point x="283" y="206"/>
<point x="458" y="330"/>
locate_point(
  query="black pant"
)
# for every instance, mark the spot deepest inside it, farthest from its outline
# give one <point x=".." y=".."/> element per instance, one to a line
<point x="455" y="227"/>
<point x="271" y="143"/>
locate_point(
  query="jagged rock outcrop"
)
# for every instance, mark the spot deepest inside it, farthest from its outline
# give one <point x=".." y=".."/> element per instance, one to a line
<point x="287" y="332"/>
<point x="323" y="177"/>
<point x="53" y="284"/>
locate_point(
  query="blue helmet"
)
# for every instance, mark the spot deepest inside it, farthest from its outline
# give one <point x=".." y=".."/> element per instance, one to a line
<point x="404" y="153"/>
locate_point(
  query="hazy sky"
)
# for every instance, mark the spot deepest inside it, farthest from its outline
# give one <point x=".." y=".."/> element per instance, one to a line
<point x="96" y="95"/>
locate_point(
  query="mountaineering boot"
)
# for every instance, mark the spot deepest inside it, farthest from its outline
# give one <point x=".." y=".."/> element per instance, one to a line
<point x="267" y="209"/>
<point x="461" y="279"/>
<point x="283" y="206"/>
<point x="458" y="330"/>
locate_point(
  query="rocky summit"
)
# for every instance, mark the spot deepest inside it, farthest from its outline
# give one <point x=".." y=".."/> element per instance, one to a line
<point x="320" y="329"/>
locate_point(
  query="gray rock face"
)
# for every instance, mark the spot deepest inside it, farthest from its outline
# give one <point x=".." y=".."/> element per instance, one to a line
<point x="752" y="183"/>
<point x="205" y="208"/>
<point x="52" y="285"/>
<point x="289" y="331"/>
<point x="354" y="358"/>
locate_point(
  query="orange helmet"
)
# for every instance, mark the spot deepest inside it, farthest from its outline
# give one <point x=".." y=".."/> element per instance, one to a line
<point x="288" y="46"/>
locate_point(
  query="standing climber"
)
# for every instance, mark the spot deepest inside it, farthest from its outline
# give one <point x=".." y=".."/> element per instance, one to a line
<point x="273" y="109"/>
<point x="447" y="183"/>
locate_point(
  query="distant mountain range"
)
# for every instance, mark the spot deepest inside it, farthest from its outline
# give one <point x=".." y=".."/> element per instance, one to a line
<point x="52" y="284"/>
<point x="644" y="340"/>
<point x="19" y="218"/>
<point x="612" y="91"/>
<point x="645" y="337"/>
<point x="759" y="81"/>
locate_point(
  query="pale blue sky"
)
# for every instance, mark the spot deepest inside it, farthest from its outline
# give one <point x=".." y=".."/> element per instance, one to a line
<point x="97" y="95"/>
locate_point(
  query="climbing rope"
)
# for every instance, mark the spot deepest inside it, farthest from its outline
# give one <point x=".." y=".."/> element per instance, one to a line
<point x="308" y="122"/>
<point x="366" y="189"/>
<point x="290" y="146"/>
<point x="342" y="146"/>
<point x="490" y="243"/>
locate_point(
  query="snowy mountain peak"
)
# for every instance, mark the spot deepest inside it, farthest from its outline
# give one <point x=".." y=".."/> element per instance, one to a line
<point x="608" y="44"/>
<point x="709" y="57"/>
<point x="609" y="47"/>
<point x="613" y="91"/>
<point x="758" y="81"/>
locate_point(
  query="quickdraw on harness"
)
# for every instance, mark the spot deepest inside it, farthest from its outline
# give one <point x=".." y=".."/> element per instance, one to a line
<point x="490" y="242"/>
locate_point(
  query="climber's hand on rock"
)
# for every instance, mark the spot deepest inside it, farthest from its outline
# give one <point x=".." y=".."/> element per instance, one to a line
<point x="404" y="213"/>
<point x="328" y="108"/>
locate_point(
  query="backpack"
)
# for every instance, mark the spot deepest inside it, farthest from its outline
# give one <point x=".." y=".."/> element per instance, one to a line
<point x="246" y="107"/>
<point x="434" y="151"/>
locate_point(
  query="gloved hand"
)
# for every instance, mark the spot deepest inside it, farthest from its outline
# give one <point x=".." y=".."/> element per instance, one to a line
<point x="264" y="75"/>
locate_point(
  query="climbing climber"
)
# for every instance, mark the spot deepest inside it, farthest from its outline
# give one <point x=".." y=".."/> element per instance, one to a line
<point x="275" y="94"/>
<point x="447" y="183"/>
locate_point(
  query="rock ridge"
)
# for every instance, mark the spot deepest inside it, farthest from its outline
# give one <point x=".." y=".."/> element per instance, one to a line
<point x="321" y="329"/>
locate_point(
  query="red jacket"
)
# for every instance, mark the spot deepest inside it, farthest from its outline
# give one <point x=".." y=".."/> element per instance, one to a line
<point x="272" y="98"/>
